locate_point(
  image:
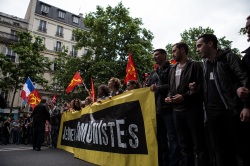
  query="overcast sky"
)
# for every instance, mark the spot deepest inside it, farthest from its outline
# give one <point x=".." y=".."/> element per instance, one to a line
<point x="166" y="19"/>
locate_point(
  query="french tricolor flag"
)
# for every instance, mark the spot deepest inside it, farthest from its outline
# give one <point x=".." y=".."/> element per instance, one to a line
<point x="28" y="87"/>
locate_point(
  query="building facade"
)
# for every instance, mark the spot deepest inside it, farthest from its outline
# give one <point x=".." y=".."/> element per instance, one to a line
<point x="54" y="25"/>
<point x="9" y="25"/>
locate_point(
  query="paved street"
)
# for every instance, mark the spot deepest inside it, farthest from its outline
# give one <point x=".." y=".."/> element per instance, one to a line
<point x="24" y="155"/>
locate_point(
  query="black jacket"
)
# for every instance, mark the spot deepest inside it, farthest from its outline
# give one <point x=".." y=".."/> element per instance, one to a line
<point x="40" y="113"/>
<point x="192" y="72"/>
<point x="246" y="63"/>
<point x="229" y="76"/>
<point x="160" y="78"/>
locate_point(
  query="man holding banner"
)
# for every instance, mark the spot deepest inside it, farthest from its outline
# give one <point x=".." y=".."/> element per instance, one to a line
<point x="168" y="145"/>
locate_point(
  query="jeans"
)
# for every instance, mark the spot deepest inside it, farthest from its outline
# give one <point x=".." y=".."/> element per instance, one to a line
<point x="191" y="134"/>
<point x="169" y="153"/>
<point x="224" y="130"/>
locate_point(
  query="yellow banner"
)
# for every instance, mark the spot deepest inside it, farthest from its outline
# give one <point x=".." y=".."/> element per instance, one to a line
<point x="119" y="131"/>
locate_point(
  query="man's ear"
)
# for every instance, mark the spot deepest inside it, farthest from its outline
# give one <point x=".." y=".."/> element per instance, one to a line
<point x="210" y="44"/>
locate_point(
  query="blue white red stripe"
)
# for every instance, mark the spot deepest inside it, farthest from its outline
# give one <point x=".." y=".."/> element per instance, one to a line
<point x="28" y="87"/>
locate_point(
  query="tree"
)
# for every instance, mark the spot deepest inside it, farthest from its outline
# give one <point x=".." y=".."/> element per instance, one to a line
<point x="30" y="63"/>
<point x="65" y="67"/>
<point x="111" y="35"/>
<point x="191" y="36"/>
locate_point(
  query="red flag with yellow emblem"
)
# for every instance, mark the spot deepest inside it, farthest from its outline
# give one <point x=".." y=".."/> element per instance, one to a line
<point x="77" y="79"/>
<point x="130" y="70"/>
<point x="29" y="94"/>
<point x="34" y="98"/>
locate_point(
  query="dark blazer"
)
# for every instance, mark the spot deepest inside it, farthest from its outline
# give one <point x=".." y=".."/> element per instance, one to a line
<point x="40" y="113"/>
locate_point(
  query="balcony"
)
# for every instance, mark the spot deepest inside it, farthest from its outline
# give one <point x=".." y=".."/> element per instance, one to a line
<point x="11" y="57"/>
<point x="73" y="53"/>
<point x="58" y="49"/>
<point x="42" y="29"/>
<point x="59" y="34"/>
<point x="7" y="38"/>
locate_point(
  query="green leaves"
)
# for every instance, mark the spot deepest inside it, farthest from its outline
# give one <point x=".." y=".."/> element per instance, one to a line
<point x="191" y="36"/>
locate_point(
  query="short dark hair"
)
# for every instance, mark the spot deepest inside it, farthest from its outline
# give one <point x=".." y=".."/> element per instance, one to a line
<point x="104" y="89"/>
<point x="162" y="51"/>
<point x="182" y="45"/>
<point x="135" y="83"/>
<point x="209" y="37"/>
<point x="248" y="17"/>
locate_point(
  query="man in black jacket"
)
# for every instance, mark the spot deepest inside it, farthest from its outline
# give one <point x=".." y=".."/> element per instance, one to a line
<point x="166" y="133"/>
<point x="188" y="106"/>
<point x="246" y="58"/>
<point x="246" y="65"/>
<point x="55" y="118"/>
<point x="40" y="114"/>
<point x="225" y="92"/>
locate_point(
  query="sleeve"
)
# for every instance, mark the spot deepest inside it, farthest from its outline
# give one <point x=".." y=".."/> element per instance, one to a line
<point x="198" y="79"/>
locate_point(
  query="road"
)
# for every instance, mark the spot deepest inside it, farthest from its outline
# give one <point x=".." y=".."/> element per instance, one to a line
<point x="24" y="155"/>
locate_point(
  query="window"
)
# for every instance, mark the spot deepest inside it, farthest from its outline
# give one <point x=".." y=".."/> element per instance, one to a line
<point x="10" y="54"/>
<point x="73" y="52"/>
<point x="55" y="66"/>
<point x="45" y="9"/>
<point x="73" y="37"/>
<point x="13" y="32"/>
<point x="13" y="35"/>
<point x="4" y="93"/>
<point x="59" y="31"/>
<point x="16" y="24"/>
<point x="75" y="19"/>
<point x="42" y="26"/>
<point x="61" y="14"/>
<point x="58" y="46"/>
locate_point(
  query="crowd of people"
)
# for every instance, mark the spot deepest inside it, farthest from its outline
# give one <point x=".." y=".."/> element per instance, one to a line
<point x="202" y="109"/>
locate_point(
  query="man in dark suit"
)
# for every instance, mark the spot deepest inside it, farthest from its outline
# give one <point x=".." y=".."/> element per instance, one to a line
<point x="40" y="114"/>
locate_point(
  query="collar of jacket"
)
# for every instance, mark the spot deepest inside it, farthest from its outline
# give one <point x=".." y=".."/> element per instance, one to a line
<point x="188" y="61"/>
<point x="166" y="65"/>
<point x="219" y="54"/>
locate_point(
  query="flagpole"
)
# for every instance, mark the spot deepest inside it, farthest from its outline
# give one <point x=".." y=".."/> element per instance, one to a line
<point x="86" y="89"/>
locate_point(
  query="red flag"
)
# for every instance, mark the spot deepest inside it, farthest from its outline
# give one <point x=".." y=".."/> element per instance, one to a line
<point x="77" y="79"/>
<point x="92" y="93"/>
<point x="130" y="70"/>
<point x="172" y="61"/>
<point x="34" y="98"/>
<point x="29" y="94"/>
<point x="53" y="100"/>
<point x="155" y="66"/>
